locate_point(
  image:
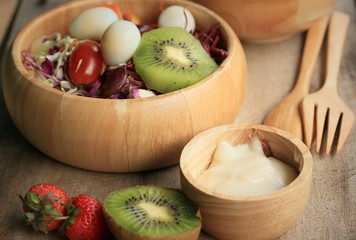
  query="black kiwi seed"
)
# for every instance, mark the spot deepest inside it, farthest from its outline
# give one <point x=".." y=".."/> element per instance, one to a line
<point x="169" y="59"/>
<point x="151" y="211"/>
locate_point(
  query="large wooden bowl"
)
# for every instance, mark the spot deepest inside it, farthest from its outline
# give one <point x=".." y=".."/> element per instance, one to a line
<point x="269" y="20"/>
<point x="120" y="135"/>
<point x="258" y="217"/>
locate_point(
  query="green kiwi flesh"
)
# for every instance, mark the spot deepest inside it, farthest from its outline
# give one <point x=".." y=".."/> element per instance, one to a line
<point x="169" y="58"/>
<point x="150" y="212"/>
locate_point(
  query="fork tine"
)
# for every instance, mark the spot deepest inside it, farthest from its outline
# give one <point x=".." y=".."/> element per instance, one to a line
<point x="308" y="122"/>
<point x="332" y="125"/>
<point x="328" y="112"/>
<point x="321" y="112"/>
<point x="347" y="121"/>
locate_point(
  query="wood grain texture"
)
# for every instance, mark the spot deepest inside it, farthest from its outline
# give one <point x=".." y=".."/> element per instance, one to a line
<point x="269" y="20"/>
<point x="324" y="112"/>
<point x="272" y="70"/>
<point x="120" y="135"/>
<point x="262" y="217"/>
<point x="286" y="114"/>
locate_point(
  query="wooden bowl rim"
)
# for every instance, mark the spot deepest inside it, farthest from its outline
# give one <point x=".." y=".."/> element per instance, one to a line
<point x="305" y="169"/>
<point x="232" y="43"/>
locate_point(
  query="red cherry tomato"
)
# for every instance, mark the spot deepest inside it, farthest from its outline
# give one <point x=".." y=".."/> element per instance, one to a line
<point x="85" y="63"/>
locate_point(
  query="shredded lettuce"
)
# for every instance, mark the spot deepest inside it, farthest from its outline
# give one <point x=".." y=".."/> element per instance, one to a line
<point x="49" y="56"/>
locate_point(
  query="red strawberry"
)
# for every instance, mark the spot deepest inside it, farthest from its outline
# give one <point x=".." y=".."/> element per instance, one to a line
<point x="87" y="220"/>
<point x="45" y="207"/>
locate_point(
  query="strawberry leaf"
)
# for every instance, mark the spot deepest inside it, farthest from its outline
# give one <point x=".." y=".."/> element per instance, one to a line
<point x="72" y="211"/>
<point x="42" y="227"/>
<point x="32" y="198"/>
<point x="51" y="210"/>
<point x="30" y="216"/>
<point x="76" y="212"/>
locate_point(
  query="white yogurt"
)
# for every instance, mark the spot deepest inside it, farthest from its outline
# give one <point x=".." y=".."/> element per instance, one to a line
<point x="244" y="170"/>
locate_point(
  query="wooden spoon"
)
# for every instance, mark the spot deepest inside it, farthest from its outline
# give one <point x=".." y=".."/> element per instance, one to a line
<point x="286" y="114"/>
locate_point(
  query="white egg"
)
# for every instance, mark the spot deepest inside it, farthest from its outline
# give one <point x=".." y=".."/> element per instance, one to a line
<point x="91" y="23"/>
<point x="119" y="42"/>
<point x="177" y="16"/>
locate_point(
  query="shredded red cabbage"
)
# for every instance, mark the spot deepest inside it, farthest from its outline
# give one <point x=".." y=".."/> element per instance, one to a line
<point x="28" y="62"/>
<point x="210" y="40"/>
<point x="115" y="82"/>
<point x="120" y="81"/>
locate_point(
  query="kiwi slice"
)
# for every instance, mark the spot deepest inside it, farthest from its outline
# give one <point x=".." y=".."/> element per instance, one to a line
<point x="170" y="58"/>
<point x="150" y="212"/>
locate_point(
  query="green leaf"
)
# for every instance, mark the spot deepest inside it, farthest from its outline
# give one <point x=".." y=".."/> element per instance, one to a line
<point x="32" y="198"/>
<point x="42" y="227"/>
<point x="76" y="211"/>
<point x="30" y="216"/>
<point x="47" y="199"/>
<point x="51" y="210"/>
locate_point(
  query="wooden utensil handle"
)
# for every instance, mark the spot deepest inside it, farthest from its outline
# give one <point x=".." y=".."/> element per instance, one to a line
<point x="336" y="38"/>
<point x="313" y="42"/>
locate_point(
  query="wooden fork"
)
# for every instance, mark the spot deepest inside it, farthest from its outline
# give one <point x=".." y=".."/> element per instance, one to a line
<point x="324" y="112"/>
<point x="286" y="113"/>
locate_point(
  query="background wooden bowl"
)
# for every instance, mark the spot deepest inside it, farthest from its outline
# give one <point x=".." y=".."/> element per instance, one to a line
<point x="261" y="217"/>
<point x="269" y="20"/>
<point x="120" y="135"/>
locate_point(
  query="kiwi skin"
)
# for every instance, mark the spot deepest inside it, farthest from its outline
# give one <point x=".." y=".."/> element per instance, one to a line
<point x="161" y="72"/>
<point x="123" y="234"/>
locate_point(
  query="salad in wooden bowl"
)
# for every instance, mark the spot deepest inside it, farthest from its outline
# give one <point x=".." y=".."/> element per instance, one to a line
<point x="126" y="111"/>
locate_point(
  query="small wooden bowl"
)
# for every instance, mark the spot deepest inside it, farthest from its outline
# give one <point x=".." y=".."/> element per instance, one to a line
<point x="120" y="135"/>
<point x="266" y="20"/>
<point x="261" y="217"/>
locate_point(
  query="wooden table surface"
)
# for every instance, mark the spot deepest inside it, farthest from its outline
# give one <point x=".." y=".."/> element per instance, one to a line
<point x="272" y="71"/>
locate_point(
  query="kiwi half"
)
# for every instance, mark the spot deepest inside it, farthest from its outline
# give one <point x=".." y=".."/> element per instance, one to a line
<point x="149" y="212"/>
<point x="169" y="58"/>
